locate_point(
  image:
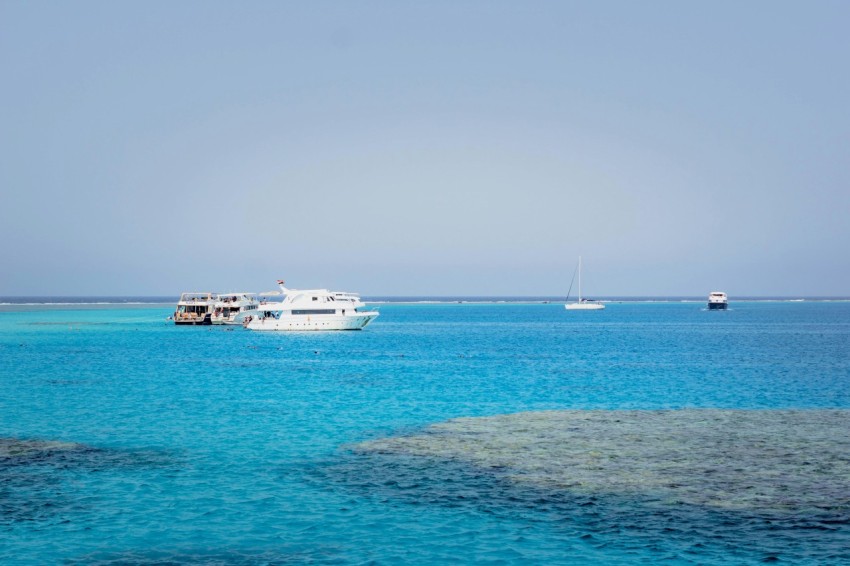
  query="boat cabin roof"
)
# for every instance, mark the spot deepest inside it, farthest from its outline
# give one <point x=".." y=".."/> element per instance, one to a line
<point x="198" y="296"/>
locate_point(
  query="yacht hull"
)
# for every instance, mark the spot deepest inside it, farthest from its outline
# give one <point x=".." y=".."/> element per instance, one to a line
<point x="306" y="323"/>
<point x="193" y="321"/>
<point x="717" y="306"/>
<point x="232" y="319"/>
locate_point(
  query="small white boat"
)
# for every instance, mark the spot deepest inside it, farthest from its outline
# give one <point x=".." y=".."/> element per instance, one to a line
<point x="311" y="309"/>
<point x="717" y="301"/>
<point x="195" y="308"/>
<point x="231" y="308"/>
<point x="581" y="304"/>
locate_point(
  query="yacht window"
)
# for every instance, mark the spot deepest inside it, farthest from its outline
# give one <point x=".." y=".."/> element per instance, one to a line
<point x="315" y="298"/>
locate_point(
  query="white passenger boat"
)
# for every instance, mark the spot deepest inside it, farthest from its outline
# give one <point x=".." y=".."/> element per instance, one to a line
<point x="311" y="309"/>
<point x="231" y="308"/>
<point x="717" y="301"/>
<point x="195" y="308"/>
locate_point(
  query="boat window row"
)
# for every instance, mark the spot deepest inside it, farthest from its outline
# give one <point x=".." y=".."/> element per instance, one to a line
<point x="196" y="309"/>
<point x="314" y="311"/>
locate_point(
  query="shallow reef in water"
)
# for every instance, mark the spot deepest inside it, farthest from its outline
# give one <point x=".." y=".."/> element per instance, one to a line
<point x="772" y="482"/>
<point x="19" y="451"/>
<point x="37" y="476"/>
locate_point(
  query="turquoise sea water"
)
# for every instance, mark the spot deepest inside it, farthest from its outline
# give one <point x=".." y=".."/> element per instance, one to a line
<point x="127" y="440"/>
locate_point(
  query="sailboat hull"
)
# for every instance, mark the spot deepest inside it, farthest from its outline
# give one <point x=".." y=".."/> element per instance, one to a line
<point x="584" y="306"/>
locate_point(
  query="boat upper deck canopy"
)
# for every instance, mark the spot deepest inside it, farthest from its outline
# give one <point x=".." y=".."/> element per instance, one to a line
<point x="198" y="296"/>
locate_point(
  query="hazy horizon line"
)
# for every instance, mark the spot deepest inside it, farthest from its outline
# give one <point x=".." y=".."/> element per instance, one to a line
<point x="448" y="296"/>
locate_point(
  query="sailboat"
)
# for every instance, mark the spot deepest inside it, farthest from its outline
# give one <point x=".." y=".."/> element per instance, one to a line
<point x="581" y="304"/>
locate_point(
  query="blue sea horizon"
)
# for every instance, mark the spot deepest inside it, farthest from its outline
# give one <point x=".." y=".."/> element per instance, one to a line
<point x="172" y="299"/>
<point x="436" y="434"/>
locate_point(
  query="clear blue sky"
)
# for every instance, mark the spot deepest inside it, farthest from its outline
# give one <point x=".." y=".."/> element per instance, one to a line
<point x="425" y="147"/>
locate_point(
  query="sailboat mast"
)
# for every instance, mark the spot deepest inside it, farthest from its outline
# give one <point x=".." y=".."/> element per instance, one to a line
<point x="579" y="279"/>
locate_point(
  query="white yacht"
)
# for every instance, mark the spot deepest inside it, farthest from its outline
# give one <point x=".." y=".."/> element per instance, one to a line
<point x="717" y="301"/>
<point x="581" y="304"/>
<point x="311" y="309"/>
<point x="231" y="308"/>
<point x="195" y="308"/>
